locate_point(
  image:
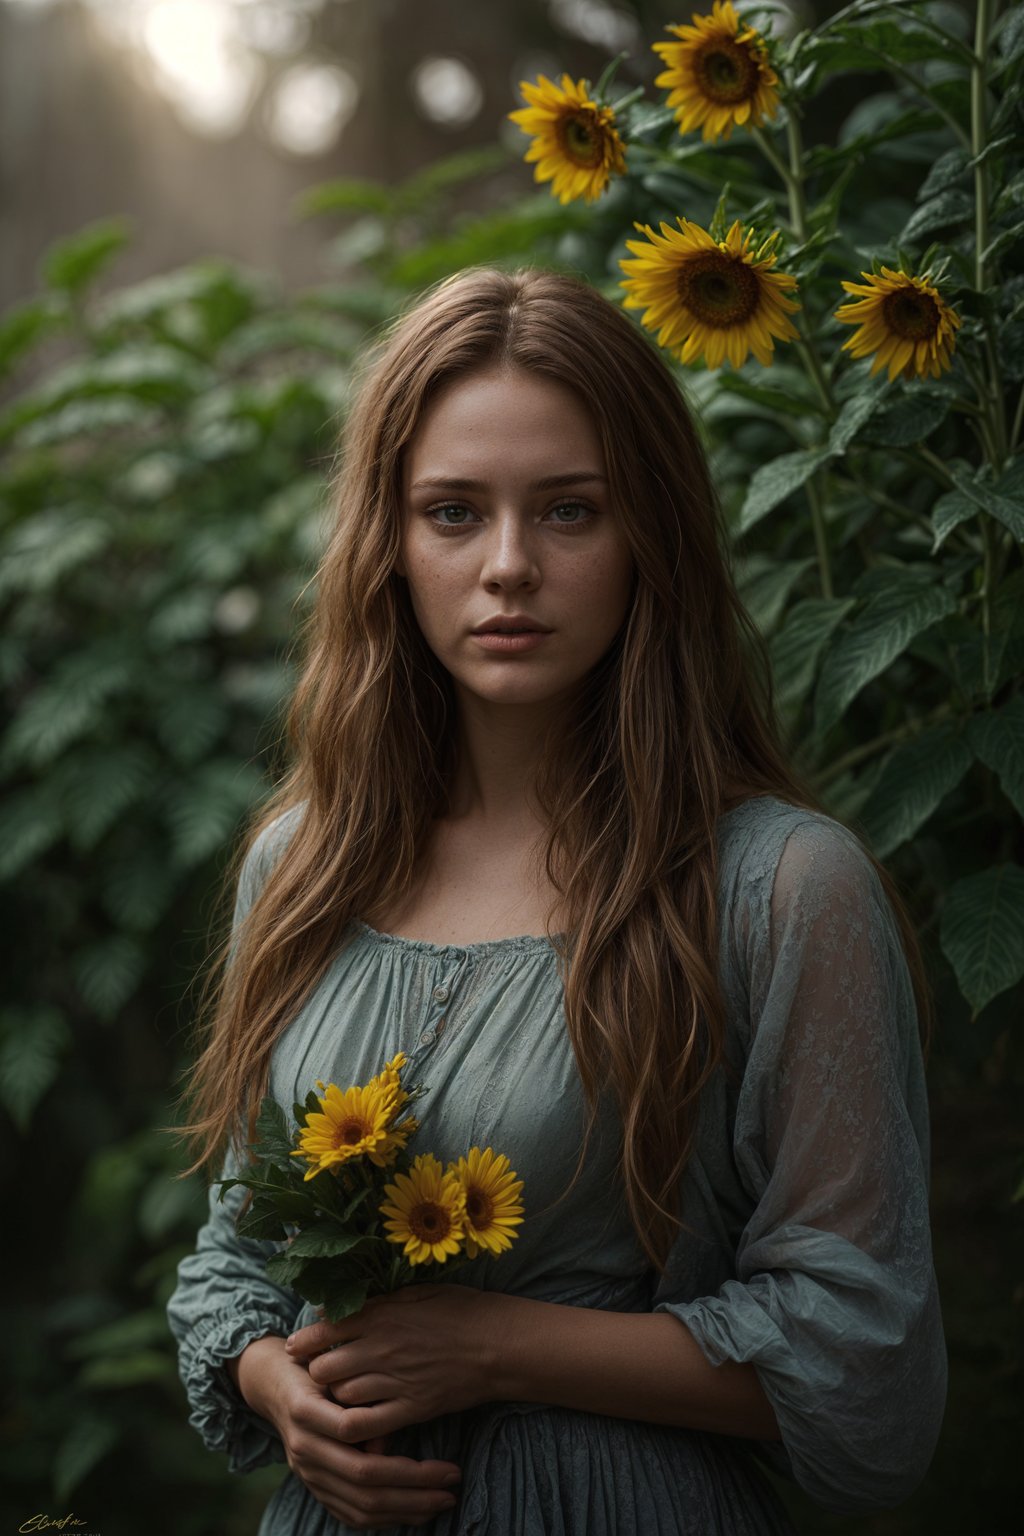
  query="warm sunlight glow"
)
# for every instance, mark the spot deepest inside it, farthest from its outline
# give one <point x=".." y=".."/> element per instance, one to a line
<point x="202" y="63"/>
<point x="447" y="91"/>
<point x="310" y="106"/>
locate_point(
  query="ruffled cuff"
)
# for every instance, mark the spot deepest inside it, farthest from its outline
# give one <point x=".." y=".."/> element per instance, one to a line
<point x="221" y="1415"/>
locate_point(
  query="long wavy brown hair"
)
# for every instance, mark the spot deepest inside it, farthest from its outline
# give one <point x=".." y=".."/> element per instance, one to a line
<point x="631" y="783"/>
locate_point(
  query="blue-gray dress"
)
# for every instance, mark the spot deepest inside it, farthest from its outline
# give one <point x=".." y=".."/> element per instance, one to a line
<point x="808" y="1251"/>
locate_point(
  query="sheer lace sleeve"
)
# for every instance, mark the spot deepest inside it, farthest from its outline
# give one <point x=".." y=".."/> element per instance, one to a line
<point x="223" y="1299"/>
<point x="834" y="1299"/>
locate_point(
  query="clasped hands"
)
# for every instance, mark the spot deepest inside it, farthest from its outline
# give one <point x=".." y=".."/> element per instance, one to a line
<point x="406" y="1357"/>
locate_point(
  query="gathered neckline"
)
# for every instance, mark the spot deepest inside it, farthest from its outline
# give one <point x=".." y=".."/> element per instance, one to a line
<point x="519" y="941"/>
<point x="522" y="942"/>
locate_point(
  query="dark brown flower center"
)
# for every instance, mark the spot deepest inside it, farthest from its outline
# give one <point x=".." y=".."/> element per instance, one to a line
<point x="727" y="72"/>
<point x="581" y="139"/>
<point x="911" y="314"/>
<point x="719" y="290"/>
<point x="479" y="1208"/>
<point x="350" y="1132"/>
<point x="431" y="1223"/>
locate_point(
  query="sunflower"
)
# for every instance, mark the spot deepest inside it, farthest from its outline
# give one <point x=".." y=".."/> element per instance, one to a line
<point x="904" y="321"/>
<point x="353" y="1123"/>
<point x="426" y="1211"/>
<point x="712" y="298"/>
<point x="575" y="140"/>
<point x="492" y="1194"/>
<point x="718" y="74"/>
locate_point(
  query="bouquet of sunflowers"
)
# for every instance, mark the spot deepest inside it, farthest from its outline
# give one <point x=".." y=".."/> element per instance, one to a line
<point x="362" y="1217"/>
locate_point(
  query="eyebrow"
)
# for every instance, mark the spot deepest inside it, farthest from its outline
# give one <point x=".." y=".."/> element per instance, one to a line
<point x="548" y="483"/>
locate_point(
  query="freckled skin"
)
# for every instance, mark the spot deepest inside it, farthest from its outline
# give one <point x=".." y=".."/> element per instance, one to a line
<point x="509" y="428"/>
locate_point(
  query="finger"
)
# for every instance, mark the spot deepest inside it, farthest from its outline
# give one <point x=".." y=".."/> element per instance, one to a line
<point x="366" y="1469"/>
<point x="362" y="1391"/>
<point x="368" y="1507"/>
<point x="319" y="1336"/>
<point x="341" y="1361"/>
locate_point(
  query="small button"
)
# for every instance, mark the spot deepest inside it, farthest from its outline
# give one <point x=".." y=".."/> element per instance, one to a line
<point x="427" y="1037"/>
<point x="440" y="994"/>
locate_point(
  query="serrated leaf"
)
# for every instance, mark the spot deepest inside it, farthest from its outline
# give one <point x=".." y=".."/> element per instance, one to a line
<point x="949" y="209"/>
<point x="765" y="584"/>
<point x="339" y="1296"/>
<point x="261" y="1222"/>
<point x="915" y="778"/>
<point x="902" y="606"/>
<point x="33" y="1042"/>
<point x="904" y="420"/>
<point x="91" y="1437"/>
<point x="997" y="738"/>
<point x="1006" y="509"/>
<point x="108" y="971"/>
<point x="274" y="1139"/>
<point x="982" y="932"/>
<point x="796" y="648"/>
<point x="950" y="510"/>
<point x="73" y="262"/>
<point x="324" y="1241"/>
<point x="779" y="478"/>
<point x="851" y="419"/>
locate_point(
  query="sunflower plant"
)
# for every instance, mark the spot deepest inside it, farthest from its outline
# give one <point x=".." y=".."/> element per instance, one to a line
<point x="355" y="1214"/>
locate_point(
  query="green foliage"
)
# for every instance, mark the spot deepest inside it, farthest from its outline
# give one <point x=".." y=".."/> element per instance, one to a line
<point x="161" y="505"/>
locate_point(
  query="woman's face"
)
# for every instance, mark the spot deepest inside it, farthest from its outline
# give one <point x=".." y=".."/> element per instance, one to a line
<point x="507" y="510"/>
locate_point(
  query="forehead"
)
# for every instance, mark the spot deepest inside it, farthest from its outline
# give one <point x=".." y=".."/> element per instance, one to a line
<point x="504" y="417"/>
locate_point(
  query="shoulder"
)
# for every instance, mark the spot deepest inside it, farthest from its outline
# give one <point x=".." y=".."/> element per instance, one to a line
<point x="780" y="862"/>
<point x="265" y="850"/>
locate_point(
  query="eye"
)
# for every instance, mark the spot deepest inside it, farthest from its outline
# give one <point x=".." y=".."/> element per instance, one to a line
<point x="574" y="506"/>
<point x="449" y="506"/>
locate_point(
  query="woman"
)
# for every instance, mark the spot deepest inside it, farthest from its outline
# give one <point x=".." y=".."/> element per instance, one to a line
<point x="575" y="880"/>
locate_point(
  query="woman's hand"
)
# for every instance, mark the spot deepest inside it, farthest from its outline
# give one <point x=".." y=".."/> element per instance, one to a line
<point x="356" y="1484"/>
<point x="413" y="1354"/>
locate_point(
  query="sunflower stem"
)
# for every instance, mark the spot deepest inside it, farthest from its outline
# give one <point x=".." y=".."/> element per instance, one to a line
<point x="922" y="455"/>
<point x="1018" y="422"/>
<point x="820" y="537"/>
<point x="993" y="395"/>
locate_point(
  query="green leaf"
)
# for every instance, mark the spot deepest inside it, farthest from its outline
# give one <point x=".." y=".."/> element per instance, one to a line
<point x="997" y="738"/>
<point x="982" y="932"/>
<point x="765" y="584"/>
<point x="30" y="824"/>
<point x="779" y="478"/>
<point x="97" y="787"/>
<point x="905" y="602"/>
<point x="339" y="1295"/>
<point x="33" y="1043"/>
<point x="44" y="549"/>
<point x="109" y="971"/>
<point x="905" y="420"/>
<point x="914" y="780"/>
<point x="89" y="1439"/>
<point x="1008" y="510"/>
<point x="169" y="1205"/>
<point x="347" y="194"/>
<point x="274" y="1139"/>
<point x="136" y="1330"/>
<point x="796" y="648"/>
<point x="204" y="810"/>
<point x="25" y="325"/>
<point x="261" y="1222"/>
<point x="949" y="209"/>
<point x="851" y="419"/>
<point x="72" y="263"/>
<point x="137" y="884"/>
<point x="69" y="705"/>
<point x="324" y="1241"/>
<point x="791" y="401"/>
<point x="950" y="510"/>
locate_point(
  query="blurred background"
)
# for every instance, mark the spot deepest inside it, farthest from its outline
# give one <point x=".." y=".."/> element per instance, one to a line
<point x="206" y="208"/>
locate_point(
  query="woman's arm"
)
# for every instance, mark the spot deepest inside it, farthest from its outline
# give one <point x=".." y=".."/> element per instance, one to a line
<point x="427" y="1350"/>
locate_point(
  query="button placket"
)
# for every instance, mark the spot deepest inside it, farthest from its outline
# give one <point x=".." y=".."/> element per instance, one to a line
<point x="439" y="996"/>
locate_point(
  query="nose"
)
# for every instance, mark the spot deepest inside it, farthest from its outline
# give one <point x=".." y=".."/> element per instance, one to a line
<point x="510" y="552"/>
